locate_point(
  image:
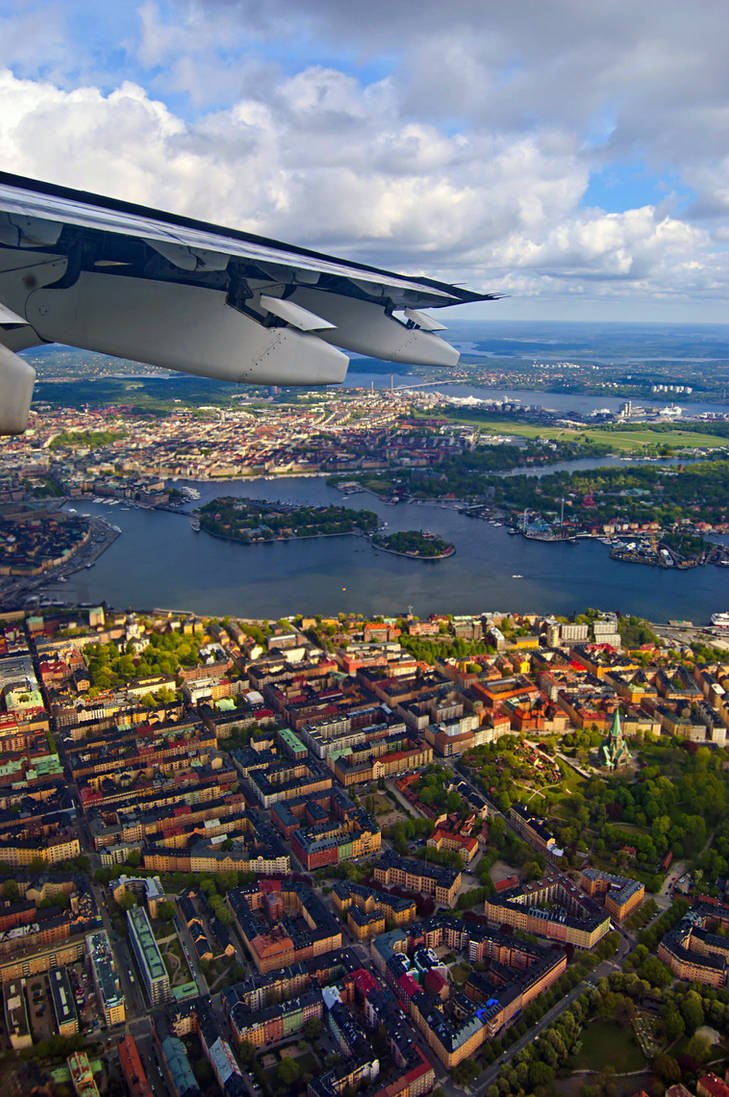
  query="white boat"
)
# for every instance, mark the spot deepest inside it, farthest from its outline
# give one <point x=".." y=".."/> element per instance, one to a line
<point x="720" y="620"/>
<point x="517" y="577"/>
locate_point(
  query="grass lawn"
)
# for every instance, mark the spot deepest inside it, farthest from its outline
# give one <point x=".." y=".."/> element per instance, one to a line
<point x="308" y="1063"/>
<point x="381" y="804"/>
<point x="681" y="1045"/>
<point x="572" y="1086"/>
<point x="605" y="1044"/>
<point x="560" y="811"/>
<point x="177" y="967"/>
<point x="271" y="1079"/>
<point x="570" y="779"/>
<point x="460" y="973"/>
<point x="510" y="426"/>
<point x="623" y="441"/>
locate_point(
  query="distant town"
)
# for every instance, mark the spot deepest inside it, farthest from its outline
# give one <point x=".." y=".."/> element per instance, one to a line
<point x="389" y="856"/>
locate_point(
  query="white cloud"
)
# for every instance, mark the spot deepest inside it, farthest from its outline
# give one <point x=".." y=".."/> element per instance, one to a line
<point x="26" y="39"/>
<point x="459" y="144"/>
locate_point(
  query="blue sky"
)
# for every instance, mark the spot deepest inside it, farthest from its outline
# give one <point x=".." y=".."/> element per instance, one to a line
<point x="621" y="186"/>
<point x="572" y="156"/>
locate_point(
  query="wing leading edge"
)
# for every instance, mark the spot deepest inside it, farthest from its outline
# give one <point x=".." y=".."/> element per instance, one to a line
<point x="109" y="276"/>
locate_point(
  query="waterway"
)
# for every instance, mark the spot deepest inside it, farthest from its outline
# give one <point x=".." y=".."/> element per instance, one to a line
<point x="160" y="561"/>
<point x="562" y="402"/>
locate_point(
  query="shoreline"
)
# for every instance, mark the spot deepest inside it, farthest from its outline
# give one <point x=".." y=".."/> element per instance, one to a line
<point x="283" y="540"/>
<point x="543" y="564"/>
<point x="450" y="551"/>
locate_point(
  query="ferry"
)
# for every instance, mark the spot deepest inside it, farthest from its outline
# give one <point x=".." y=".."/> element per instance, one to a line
<point x="720" y="620"/>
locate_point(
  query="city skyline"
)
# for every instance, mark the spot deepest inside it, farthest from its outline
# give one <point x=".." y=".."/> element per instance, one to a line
<point x="567" y="157"/>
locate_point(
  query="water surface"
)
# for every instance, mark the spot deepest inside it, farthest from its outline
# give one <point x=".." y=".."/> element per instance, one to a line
<point x="160" y="561"/>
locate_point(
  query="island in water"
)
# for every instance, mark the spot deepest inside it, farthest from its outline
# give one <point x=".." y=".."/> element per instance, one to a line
<point x="414" y="543"/>
<point x="252" y="521"/>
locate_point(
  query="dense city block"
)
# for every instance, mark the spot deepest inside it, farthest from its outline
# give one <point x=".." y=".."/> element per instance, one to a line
<point x="337" y="855"/>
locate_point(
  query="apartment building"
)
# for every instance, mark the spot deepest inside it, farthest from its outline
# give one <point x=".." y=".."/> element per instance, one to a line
<point x="155" y="980"/>
<point x="64" y="1006"/>
<point x="441" y="882"/>
<point x="283" y="922"/>
<point x="620" y="894"/>
<point x="105" y="978"/>
<point x="693" y="951"/>
<point x="369" y="912"/>
<point x="551" y="907"/>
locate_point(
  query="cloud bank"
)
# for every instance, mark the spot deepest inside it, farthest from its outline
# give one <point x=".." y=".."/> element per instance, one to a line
<point x="571" y="155"/>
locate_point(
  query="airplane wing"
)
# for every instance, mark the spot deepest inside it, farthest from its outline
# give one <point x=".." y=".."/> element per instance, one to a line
<point x="110" y="276"/>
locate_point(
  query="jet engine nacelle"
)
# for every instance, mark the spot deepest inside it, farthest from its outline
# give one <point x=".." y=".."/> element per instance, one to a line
<point x="366" y="328"/>
<point x="16" y="392"/>
<point x="180" y="327"/>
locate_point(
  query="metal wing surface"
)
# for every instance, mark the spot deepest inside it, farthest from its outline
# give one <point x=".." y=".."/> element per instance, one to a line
<point x="109" y="276"/>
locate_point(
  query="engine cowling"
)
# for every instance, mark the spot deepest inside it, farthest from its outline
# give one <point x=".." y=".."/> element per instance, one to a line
<point x="180" y="327"/>
<point x="16" y="391"/>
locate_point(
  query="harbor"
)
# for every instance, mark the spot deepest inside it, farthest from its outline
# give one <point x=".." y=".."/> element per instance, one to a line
<point x="176" y="566"/>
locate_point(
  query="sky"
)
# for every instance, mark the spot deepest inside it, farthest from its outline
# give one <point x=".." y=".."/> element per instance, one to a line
<point x="571" y="155"/>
